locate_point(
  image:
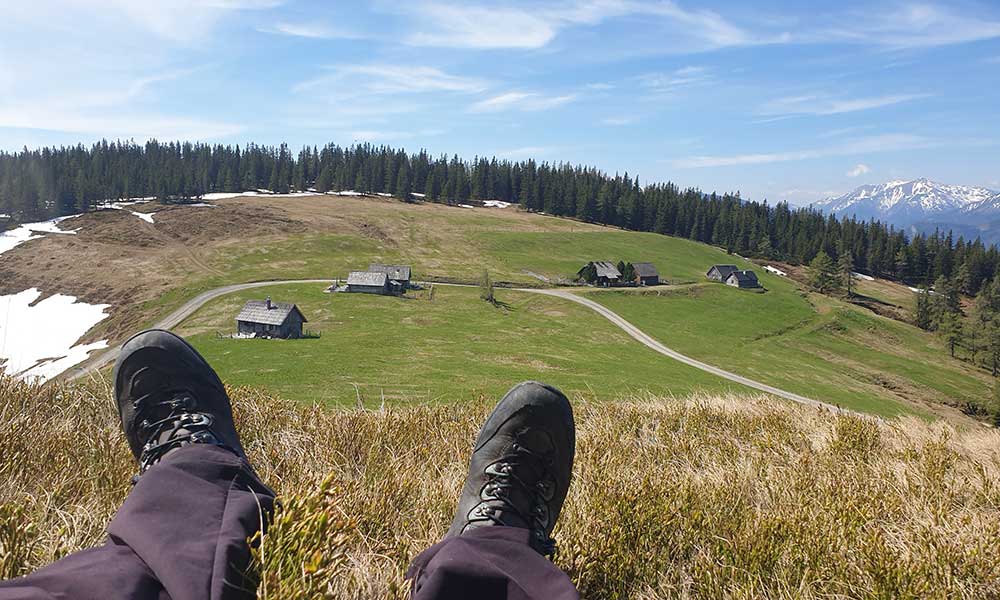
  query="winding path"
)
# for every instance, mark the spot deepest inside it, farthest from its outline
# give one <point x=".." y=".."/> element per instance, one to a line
<point x="189" y="307"/>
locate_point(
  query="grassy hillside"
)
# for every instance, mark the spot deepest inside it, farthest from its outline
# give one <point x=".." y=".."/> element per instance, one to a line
<point x="446" y="347"/>
<point x="809" y="344"/>
<point x="710" y="497"/>
<point x="814" y="346"/>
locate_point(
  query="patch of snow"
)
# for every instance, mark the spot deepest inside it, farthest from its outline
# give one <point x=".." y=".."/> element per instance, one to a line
<point x="226" y="195"/>
<point x="147" y="217"/>
<point x="346" y="193"/>
<point x="383" y="194"/>
<point x="775" y="270"/>
<point x="466" y="206"/>
<point x="496" y="204"/>
<point x="28" y="231"/>
<point x="862" y="276"/>
<point x="416" y="195"/>
<point x="201" y="205"/>
<point x="38" y="342"/>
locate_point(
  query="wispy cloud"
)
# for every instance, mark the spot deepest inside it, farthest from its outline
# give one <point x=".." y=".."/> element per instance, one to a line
<point x="822" y="105"/>
<point x="534" y="26"/>
<point x="858" y="170"/>
<point x="312" y="31"/>
<point x="391" y="79"/>
<point x="680" y="78"/>
<point x="521" y="101"/>
<point x="920" y="25"/>
<point x="860" y="146"/>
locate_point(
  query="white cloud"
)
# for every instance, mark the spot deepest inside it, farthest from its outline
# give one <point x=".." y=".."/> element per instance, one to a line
<point x="312" y="31"/>
<point x="858" y="170"/>
<point x="391" y="79"/>
<point x="666" y="82"/>
<point x="522" y="101"/>
<point x="536" y="25"/>
<point x="480" y="27"/>
<point x="860" y="146"/>
<point x="822" y="105"/>
<point x="913" y="26"/>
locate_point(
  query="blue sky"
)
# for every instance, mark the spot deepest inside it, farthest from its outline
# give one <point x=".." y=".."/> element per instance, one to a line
<point x="779" y="100"/>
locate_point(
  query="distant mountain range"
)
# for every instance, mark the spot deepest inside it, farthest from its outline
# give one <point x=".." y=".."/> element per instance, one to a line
<point x="921" y="206"/>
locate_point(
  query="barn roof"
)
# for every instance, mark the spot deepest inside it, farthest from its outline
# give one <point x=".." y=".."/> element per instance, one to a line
<point x="367" y="278"/>
<point x="645" y="269"/>
<point x="256" y="311"/>
<point x="607" y="269"/>
<point x="744" y="276"/>
<point x="393" y="272"/>
<point x="724" y="270"/>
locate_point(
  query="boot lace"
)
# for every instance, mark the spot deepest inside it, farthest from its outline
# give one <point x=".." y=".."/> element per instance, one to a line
<point x="180" y="414"/>
<point x="502" y="479"/>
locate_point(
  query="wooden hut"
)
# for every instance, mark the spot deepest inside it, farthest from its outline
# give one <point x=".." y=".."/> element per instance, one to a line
<point x="607" y="274"/>
<point x="646" y="273"/>
<point x="367" y="282"/>
<point x="743" y="279"/>
<point x="398" y="275"/>
<point x="263" y="318"/>
<point x="721" y="272"/>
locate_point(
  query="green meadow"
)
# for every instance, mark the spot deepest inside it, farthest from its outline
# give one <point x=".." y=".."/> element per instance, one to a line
<point x="442" y="347"/>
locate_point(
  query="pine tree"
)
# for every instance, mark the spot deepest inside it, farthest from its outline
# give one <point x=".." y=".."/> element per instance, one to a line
<point x="823" y="276"/>
<point x="403" y="187"/>
<point x="845" y="266"/>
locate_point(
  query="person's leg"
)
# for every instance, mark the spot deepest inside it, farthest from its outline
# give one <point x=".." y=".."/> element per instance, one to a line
<point x="518" y="478"/>
<point x="182" y="533"/>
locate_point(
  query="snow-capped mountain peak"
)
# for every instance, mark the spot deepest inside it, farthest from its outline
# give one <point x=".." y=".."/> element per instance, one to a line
<point x="905" y="202"/>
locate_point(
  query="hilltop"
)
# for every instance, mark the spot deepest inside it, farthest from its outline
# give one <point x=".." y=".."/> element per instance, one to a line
<point x="706" y="497"/>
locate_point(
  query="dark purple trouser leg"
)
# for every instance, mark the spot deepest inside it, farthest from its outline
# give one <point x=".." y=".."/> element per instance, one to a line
<point x="489" y="563"/>
<point x="180" y="535"/>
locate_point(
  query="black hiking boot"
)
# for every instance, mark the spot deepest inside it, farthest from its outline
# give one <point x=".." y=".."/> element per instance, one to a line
<point x="169" y="397"/>
<point x="521" y="465"/>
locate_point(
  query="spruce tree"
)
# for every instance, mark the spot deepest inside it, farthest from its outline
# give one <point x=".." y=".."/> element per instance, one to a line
<point x="823" y="276"/>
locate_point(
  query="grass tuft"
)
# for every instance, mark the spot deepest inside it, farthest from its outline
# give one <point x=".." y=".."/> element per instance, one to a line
<point x="703" y="497"/>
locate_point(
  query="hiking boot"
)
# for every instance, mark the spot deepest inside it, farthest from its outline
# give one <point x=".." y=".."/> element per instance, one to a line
<point x="169" y="397"/>
<point x="521" y="465"/>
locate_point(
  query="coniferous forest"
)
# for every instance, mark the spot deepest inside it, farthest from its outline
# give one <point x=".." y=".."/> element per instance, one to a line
<point x="40" y="184"/>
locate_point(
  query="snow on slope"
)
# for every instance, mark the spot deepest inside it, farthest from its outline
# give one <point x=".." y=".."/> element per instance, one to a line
<point x="38" y="342"/>
<point x="904" y="203"/>
<point x="30" y="231"/>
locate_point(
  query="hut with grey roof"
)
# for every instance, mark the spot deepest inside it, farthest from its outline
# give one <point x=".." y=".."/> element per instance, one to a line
<point x="646" y="273"/>
<point x="721" y="272"/>
<point x="263" y="318"/>
<point x="601" y="273"/>
<point x="367" y="282"/>
<point x="743" y="279"/>
<point x="398" y="275"/>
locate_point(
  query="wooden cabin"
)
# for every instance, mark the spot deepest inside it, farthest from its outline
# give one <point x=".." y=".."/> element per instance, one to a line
<point x="721" y="272"/>
<point x="367" y="282"/>
<point x="263" y="318"/>
<point x="743" y="279"/>
<point x="646" y="273"/>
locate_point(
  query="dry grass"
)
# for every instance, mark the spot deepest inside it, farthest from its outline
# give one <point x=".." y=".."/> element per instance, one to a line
<point x="706" y="497"/>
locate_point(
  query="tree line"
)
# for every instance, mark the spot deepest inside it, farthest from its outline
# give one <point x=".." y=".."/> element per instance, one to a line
<point x="49" y="182"/>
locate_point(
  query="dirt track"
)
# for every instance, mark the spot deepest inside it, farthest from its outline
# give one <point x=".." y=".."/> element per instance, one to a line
<point x="173" y="319"/>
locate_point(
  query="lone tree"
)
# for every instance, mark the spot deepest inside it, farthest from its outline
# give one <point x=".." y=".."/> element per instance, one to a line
<point x="845" y="264"/>
<point x="589" y="273"/>
<point x="823" y="275"/>
<point x="923" y="315"/>
<point x="486" y="289"/>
